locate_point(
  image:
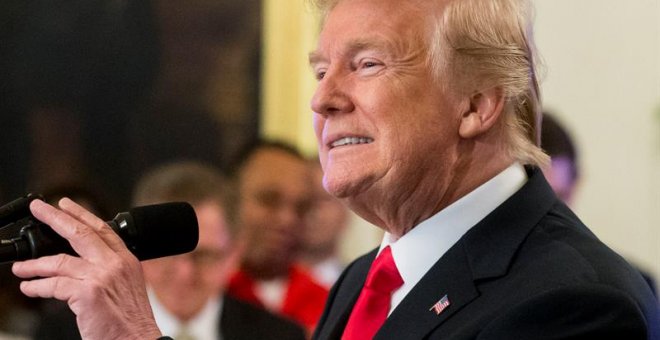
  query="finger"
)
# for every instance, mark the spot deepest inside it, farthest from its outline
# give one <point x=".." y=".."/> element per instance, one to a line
<point x="59" y="287"/>
<point x="102" y="229"/>
<point x="83" y="239"/>
<point x="81" y="214"/>
<point x="56" y="265"/>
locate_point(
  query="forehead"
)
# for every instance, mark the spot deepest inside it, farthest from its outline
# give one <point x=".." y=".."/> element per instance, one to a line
<point x="212" y="223"/>
<point x="359" y="24"/>
<point x="275" y="170"/>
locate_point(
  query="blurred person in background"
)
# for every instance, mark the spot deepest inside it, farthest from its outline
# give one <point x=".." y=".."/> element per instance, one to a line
<point x="326" y="223"/>
<point x="563" y="172"/>
<point x="274" y="198"/>
<point x="186" y="291"/>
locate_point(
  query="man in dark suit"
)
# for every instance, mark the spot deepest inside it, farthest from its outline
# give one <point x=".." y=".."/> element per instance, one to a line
<point x="427" y="116"/>
<point x="186" y="291"/>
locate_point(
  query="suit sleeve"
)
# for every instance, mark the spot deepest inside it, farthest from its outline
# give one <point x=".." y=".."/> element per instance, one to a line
<point x="585" y="312"/>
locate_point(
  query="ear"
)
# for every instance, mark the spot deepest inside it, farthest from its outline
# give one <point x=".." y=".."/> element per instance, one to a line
<point x="483" y="112"/>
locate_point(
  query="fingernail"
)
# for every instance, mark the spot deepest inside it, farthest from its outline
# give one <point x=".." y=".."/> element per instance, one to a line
<point x="37" y="203"/>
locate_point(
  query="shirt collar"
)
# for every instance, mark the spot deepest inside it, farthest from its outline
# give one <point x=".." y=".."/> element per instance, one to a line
<point x="416" y="251"/>
<point x="204" y="326"/>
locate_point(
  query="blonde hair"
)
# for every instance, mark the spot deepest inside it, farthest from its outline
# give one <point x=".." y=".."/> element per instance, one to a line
<point x="480" y="44"/>
<point x="485" y="44"/>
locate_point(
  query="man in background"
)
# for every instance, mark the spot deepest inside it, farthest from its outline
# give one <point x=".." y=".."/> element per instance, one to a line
<point x="274" y="198"/>
<point x="563" y="173"/>
<point x="186" y="291"/>
<point x="324" y="228"/>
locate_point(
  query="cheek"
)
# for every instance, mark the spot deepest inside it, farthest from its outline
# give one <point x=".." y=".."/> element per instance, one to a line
<point x="318" y="123"/>
<point x="250" y="215"/>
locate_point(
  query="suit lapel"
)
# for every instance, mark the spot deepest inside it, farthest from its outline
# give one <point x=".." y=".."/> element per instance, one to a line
<point x="447" y="277"/>
<point x="485" y="252"/>
<point x="347" y="293"/>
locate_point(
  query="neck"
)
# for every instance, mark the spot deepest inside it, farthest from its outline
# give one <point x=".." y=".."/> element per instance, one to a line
<point x="266" y="272"/>
<point x="315" y="255"/>
<point x="398" y="212"/>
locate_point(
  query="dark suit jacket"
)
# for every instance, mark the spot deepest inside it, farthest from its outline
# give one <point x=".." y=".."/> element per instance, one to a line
<point x="529" y="270"/>
<point x="239" y="321"/>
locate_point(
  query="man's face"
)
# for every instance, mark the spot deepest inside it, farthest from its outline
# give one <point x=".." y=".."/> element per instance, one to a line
<point x="275" y="197"/>
<point x="382" y="121"/>
<point x="184" y="283"/>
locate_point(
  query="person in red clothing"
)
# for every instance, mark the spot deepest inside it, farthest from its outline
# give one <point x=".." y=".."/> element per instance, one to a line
<point x="274" y="185"/>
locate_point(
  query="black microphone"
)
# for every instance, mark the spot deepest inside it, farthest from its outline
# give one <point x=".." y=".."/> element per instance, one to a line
<point x="17" y="209"/>
<point x="149" y="232"/>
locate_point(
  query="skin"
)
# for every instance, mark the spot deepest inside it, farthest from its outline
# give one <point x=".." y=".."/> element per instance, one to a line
<point x="326" y="221"/>
<point x="429" y="146"/>
<point x="275" y="197"/>
<point x="104" y="287"/>
<point x="184" y="283"/>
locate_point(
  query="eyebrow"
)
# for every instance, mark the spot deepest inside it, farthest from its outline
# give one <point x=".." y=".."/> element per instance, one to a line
<point x="315" y="57"/>
<point x="354" y="47"/>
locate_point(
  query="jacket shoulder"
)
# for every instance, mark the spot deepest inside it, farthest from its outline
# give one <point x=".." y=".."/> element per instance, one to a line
<point x="241" y="320"/>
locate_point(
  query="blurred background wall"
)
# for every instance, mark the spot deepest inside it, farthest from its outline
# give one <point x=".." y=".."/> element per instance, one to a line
<point x="602" y="79"/>
<point x="96" y="91"/>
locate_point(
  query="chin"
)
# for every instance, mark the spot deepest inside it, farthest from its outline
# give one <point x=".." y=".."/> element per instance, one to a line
<point x="346" y="188"/>
<point x="337" y="188"/>
<point x="189" y="312"/>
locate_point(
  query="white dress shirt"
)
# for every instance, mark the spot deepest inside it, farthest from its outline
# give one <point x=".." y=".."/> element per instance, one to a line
<point x="204" y="326"/>
<point x="416" y="251"/>
<point x="327" y="271"/>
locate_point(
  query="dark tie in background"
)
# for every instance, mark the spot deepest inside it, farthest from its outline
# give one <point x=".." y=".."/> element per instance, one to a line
<point x="373" y="304"/>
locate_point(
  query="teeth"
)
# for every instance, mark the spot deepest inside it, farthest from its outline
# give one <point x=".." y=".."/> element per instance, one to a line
<point x="351" y="140"/>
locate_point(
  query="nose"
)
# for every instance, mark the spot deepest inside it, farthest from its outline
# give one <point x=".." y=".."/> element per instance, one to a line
<point x="288" y="216"/>
<point x="332" y="96"/>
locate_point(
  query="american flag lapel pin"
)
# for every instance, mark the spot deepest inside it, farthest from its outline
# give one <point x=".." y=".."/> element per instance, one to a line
<point x="441" y="305"/>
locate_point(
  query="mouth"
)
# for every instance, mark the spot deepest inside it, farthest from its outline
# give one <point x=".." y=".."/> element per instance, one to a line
<point x="344" y="141"/>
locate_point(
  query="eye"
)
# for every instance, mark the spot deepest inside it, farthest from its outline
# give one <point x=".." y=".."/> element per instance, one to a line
<point x="268" y="199"/>
<point x="369" y="66"/>
<point x="319" y="69"/>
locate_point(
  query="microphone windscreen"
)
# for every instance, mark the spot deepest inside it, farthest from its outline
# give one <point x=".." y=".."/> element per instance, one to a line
<point x="164" y="229"/>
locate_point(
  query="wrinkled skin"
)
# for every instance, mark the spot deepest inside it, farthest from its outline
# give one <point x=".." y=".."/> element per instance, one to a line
<point x="104" y="287"/>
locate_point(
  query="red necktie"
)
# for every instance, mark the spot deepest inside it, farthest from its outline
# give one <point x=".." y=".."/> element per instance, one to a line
<point x="372" y="305"/>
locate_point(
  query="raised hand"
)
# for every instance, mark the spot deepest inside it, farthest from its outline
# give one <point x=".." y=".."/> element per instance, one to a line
<point x="104" y="287"/>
